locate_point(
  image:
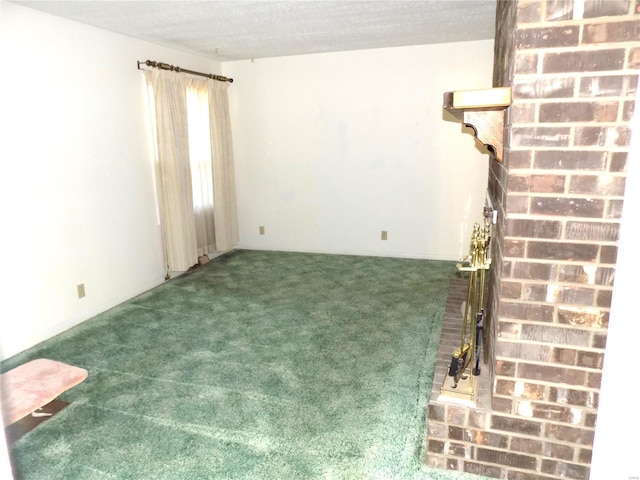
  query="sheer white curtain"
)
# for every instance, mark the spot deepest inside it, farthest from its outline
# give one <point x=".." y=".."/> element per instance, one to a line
<point x="195" y="174"/>
<point x="201" y="165"/>
<point x="224" y="186"/>
<point x="173" y="177"/>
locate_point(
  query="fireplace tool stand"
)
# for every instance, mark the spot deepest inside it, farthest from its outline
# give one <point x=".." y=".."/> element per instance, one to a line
<point x="460" y="383"/>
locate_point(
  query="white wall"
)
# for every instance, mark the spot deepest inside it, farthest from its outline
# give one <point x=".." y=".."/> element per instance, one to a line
<point x="331" y="149"/>
<point x="78" y="202"/>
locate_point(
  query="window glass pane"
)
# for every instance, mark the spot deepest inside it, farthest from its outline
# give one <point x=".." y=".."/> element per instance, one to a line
<point x="200" y="147"/>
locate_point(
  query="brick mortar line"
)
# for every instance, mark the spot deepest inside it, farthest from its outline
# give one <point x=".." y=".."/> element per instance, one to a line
<point x="557" y="171"/>
<point x="538" y="343"/>
<point x="580" y="196"/>
<point x="545" y="218"/>
<point x="567" y="148"/>
<point x="537" y="281"/>
<point x="549" y="304"/>
<point x="516" y="452"/>
<point x="537" y="456"/>
<point x="551" y="283"/>
<point x="586" y="171"/>
<point x="540" y="456"/>
<point x="540" y="436"/>
<point x="571" y="124"/>
<point x="514" y="416"/>
<point x="546" y="384"/>
<point x="550" y="403"/>
<point x="585" y="196"/>
<point x="572" y="148"/>
<point x="559" y="443"/>
<point x="527" y="302"/>
<point x="579" y="48"/>
<point x="581" y="74"/>
<point x="579" y="388"/>
<point x="564" y="239"/>
<point x="561" y="263"/>
<point x="557" y="262"/>
<point x="563" y="345"/>
<point x="598" y="243"/>
<point x="579" y="21"/>
<point x="446" y="456"/>
<point x="539" y="471"/>
<point x="546" y="364"/>
<point x="608" y="243"/>
<point x="569" y="100"/>
<point x="601" y="330"/>
<point x="553" y="324"/>
<point x="510" y="434"/>
<point x="539" y="217"/>
<point x="546" y="344"/>
<point x="549" y="363"/>
<point x="512" y="279"/>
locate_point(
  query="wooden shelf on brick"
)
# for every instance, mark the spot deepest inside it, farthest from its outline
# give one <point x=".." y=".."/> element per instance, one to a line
<point x="482" y="110"/>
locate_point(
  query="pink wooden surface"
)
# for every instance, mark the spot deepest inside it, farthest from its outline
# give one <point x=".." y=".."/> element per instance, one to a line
<point x="34" y="384"/>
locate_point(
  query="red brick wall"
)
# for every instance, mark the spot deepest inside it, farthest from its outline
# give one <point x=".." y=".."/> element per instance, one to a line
<point x="573" y="68"/>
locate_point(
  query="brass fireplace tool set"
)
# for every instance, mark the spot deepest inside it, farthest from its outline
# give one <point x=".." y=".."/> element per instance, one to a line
<point x="465" y="361"/>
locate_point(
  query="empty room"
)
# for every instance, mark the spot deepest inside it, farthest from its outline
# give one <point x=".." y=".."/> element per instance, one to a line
<point x="319" y="239"/>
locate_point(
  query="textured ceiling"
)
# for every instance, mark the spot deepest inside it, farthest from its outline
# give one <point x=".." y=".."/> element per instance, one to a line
<point x="243" y="29"/>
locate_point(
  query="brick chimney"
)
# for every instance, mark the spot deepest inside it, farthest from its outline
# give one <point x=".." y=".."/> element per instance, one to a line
<point x="573" y="68"/>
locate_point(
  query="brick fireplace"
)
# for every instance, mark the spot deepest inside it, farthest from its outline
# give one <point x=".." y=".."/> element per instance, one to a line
<point x="573" y="69"/>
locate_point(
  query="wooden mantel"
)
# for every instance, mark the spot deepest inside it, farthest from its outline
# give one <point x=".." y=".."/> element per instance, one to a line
<point x="483" y="111"/>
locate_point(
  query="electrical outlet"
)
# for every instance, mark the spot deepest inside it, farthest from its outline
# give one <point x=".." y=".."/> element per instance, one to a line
<point x="383" y="235"/>
<point x="261" y="229"/>
<point x="81" y="292"/>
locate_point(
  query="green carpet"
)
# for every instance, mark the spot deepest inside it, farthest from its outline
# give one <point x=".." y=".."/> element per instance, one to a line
<point x="259" y="365"/>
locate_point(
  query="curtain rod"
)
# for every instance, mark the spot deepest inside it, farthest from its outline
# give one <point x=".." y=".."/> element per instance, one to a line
<point x="173" y="68"/>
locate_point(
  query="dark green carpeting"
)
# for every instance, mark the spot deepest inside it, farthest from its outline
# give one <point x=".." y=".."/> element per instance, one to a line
<point x="259" y="365"/>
